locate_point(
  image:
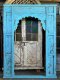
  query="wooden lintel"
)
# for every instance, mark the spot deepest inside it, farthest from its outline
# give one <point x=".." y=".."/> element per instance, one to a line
<point x="49" y="0"/>
<point x="38" y="1"/>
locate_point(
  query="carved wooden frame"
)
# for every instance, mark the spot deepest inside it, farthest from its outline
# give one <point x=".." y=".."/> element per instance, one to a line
<point x="12" y="14"/>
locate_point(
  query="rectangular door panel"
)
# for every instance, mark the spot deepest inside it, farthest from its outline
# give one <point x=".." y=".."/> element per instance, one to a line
<point x="30" y="52"/>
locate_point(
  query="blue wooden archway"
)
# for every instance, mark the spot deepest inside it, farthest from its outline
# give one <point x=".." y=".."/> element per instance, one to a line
<point x="12" y="14"/>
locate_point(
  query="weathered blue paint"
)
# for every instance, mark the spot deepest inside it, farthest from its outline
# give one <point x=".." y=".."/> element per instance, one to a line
<point x="12" y="14"/>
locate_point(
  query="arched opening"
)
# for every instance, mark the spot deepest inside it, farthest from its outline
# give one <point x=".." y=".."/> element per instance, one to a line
<point x="29" y="47"/>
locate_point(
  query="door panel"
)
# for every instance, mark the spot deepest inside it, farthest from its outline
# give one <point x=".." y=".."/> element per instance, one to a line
<point x="17" y="53"/>
<point x="28" y="51"/>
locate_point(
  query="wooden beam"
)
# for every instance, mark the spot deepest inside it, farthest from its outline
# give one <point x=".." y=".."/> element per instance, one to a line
<point x="9" y="1"/>
<point x="49" y="0"/>
<point x="38" y="1"/>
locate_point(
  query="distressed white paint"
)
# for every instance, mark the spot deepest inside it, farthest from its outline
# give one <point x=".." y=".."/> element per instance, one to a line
<point x="30" y="52"/>
<point x="23" y="26"/>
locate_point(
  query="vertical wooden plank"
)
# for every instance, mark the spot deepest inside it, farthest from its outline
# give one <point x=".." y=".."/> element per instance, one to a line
<point x="50" y="20"/>
<point x="39" y="46"/>
<point x="23" y="27"/>
<point x="8" y="23"/>
<point x="13" y="29"/>
<point x="4" y="24"/>
<point x="50" y="44"/>
<point x="50" y="52"/>
<point x="7" y="43"/>
<point x="55" y="41"/>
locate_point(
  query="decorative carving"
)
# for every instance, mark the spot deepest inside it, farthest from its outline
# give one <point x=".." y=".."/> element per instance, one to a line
<point x="16" y="22"/>
<point x="8" y="64"/>
<point x="23" y="1"/>
<point x="41" y="14"/>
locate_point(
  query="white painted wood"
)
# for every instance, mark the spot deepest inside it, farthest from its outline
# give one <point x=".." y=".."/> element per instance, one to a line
<point x="30" y="52"/>
<point x="39" y="45"/>
<point x="23" y="26"/>
<point x="17" y="53"/>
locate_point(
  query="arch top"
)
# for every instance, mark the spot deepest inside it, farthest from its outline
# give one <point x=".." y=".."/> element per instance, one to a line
<point x="16" y="21"/>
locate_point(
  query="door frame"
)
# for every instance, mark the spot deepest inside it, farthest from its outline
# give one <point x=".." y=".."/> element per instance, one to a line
<point x="15" y="12"/>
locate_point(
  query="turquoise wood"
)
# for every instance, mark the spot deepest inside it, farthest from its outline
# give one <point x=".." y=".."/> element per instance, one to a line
<point x="15" y="12"/>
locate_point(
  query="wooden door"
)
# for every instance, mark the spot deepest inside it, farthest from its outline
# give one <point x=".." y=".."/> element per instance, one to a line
<point x="28" y="51"/>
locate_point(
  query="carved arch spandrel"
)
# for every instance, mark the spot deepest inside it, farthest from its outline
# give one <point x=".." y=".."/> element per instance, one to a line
<point x="16" y="21"/>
